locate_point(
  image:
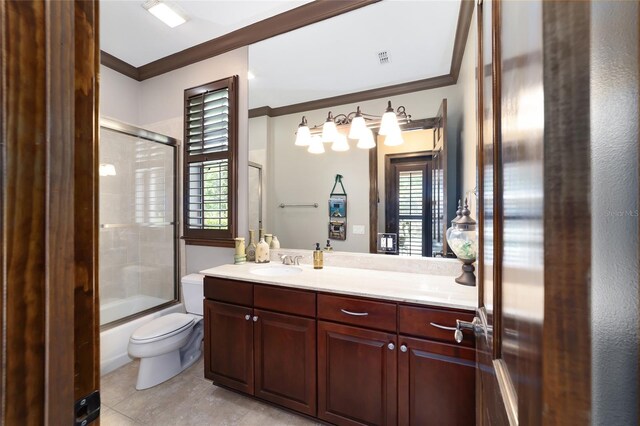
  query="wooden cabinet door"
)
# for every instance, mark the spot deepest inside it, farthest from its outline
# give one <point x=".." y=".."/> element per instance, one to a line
<point x="228" y="346"/>
<point x="285" y="360"/>
<point x="436" y="383"/>
<point x="357" y="375"/>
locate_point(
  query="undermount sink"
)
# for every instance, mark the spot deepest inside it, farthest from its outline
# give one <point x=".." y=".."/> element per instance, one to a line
<point x="275" y="270"/>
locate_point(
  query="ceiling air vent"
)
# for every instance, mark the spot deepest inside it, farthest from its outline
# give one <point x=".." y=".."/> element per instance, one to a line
<point x="384" y="57"/>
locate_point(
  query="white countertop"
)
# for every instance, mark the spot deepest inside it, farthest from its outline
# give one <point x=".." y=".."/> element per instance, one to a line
<point x="434" y="290"/>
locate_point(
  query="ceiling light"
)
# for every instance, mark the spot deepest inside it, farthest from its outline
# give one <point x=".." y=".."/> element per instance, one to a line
<point x="250" y="75"/>
<point x="333" y="130"/>
<point x="165" y="13"/>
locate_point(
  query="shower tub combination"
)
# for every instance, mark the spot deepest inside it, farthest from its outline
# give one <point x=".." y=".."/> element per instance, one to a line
<point x="138" y="234"/>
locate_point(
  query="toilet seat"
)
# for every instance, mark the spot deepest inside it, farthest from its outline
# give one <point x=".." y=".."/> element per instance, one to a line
<point x="163" y="327"/>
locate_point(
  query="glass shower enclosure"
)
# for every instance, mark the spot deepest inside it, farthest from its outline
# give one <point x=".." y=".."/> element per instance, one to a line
<point x="138" y="254"/>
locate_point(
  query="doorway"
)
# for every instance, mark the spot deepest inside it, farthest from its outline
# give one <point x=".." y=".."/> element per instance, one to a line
<point x="408" y="201"/>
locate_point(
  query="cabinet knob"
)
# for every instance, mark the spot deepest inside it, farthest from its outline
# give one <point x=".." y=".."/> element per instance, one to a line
<point x="255" y="318"/>
<point x="247" y="317"/>
<point x="403" y="348"/>
<point x="391" y="346"/>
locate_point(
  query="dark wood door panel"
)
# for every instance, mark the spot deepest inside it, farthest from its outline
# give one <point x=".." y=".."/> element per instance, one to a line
<point x="436" y="383"/>
<point x="285" y="360"/>
<point x="228" y="346"/>
<point x="357" y="375"/>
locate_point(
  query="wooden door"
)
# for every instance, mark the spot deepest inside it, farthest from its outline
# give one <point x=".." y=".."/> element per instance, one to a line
<point x="228" y="354"/>
<point x="49" y="353"/>
<point x="432" y="376"/>
<point x="533" y="213"/>
<point x="357" y="375"/>
<point x="285" y="360"/>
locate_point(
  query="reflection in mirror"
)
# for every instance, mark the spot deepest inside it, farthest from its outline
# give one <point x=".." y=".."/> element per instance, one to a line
<point x="409" y="190"/>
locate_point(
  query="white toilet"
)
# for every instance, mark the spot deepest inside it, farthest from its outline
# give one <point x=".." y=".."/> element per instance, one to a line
<point x="173" y="342"/>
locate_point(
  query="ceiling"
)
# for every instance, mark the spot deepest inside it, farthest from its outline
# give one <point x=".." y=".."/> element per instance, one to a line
<point x="340" y="55"/>
<point x="130" y="33"/>
<point x="332" y="57"/>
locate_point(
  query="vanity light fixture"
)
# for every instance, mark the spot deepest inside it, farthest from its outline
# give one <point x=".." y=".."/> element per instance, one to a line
<point x="165" y="13"/>
<point x="333" y="130"/>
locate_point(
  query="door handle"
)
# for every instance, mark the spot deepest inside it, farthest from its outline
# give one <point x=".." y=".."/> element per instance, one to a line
<point x="465" y="325"/>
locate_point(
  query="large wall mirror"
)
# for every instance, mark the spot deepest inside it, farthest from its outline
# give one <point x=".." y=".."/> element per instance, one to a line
<point x="416" y="55"/>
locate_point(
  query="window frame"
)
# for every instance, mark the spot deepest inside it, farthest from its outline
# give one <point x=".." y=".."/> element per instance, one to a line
<point x="213" y="237"/>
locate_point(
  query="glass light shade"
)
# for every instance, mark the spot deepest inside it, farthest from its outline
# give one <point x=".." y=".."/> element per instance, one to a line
<point x="329" y="131"/>
<point x="358" y="127"/>
<point x="366" y="140"/>
<point x="316" y="146"/>
<point x="394" y="138"/>
<point x="303" y="136"/>
<point x="340" y="144"/>
<point x="389" y="123"/>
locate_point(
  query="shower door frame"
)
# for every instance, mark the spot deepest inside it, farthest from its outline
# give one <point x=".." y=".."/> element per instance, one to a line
<point x="148" y="135"/>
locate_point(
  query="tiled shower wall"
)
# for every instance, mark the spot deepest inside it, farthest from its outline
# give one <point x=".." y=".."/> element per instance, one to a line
<point x="136" y="212"/>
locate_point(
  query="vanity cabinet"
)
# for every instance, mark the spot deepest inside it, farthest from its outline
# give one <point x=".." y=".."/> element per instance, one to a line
<point x="228" y="343"/>
<point x="346" y="360"/>
<point x="263" y="343"/>
<point x="357" y="382"/>
<point x="436" y="383"/>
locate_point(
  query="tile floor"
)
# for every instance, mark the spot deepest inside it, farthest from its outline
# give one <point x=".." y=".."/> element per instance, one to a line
<point x="187" y="399"/>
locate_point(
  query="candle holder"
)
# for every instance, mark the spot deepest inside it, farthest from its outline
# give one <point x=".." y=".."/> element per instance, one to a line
<point x="462" y="238"/>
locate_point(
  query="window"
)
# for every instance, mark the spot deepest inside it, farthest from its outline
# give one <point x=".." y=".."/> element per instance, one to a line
<point x="210" y="163"/>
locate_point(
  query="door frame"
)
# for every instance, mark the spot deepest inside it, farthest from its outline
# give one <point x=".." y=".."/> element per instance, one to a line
<point x="48" y="190"/>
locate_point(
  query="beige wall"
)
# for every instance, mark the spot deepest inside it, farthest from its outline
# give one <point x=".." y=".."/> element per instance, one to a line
<point x="119" y="96"/>
<point x="467" y="85"/>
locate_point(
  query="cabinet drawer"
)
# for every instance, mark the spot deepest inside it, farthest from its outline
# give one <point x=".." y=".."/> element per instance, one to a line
<point x="366" y="313"/>
<point x="230" y="291"/>
<point x="285" y="300"/>
<point x="416" y="321"/>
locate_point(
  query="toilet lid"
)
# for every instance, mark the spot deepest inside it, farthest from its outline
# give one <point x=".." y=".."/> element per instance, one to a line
<point x="167" y="324"/>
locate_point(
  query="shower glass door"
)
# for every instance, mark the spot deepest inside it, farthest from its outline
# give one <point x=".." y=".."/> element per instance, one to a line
<point x="138" y="230"/>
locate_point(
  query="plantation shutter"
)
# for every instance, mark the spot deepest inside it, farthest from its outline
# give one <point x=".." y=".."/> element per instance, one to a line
<point x="410" y="212"/>
<point x="210" y="163"/>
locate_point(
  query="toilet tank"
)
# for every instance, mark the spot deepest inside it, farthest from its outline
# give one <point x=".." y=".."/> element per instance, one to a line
<point x="193" y="293"/>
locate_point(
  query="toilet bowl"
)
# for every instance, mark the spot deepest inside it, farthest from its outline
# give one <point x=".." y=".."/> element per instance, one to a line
<point x="170" y="344"/>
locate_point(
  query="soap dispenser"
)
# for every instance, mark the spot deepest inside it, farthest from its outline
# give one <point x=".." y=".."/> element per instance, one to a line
<point x="328" y="246"/>
<point x="317" y="257"/>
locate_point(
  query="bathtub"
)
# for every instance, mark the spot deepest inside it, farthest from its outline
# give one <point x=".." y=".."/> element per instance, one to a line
<point x="114" y="341"/>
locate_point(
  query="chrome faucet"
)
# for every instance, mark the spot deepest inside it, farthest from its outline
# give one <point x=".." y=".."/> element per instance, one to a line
<point x="288" y="259"/>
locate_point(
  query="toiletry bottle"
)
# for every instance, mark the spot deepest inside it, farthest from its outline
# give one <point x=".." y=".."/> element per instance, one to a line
<point x="328" y="246"/>
<point x="317" y="257"/>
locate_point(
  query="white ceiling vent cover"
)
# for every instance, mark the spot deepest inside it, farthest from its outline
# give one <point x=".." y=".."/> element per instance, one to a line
<point x="384" y="57"/>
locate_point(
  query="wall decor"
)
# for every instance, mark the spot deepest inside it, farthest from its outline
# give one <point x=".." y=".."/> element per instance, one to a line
<point x="338" y="211"/>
